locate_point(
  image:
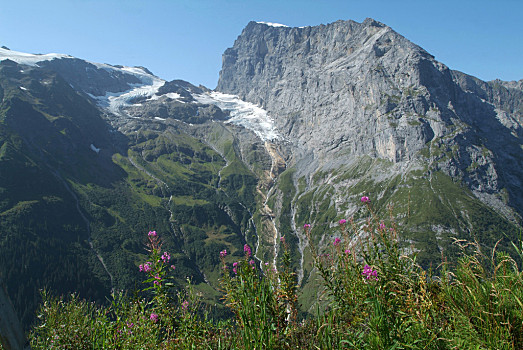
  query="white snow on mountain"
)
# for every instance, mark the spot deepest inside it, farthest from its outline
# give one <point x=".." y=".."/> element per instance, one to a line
<point x="115" y="101"/>
<point x="171" y="95"/>
<point x="27" y="58"/>
<point x="243" y="113"/>
<point x="270" y="24"/>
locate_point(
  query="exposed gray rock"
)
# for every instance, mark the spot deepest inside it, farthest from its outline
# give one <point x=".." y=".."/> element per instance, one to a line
<point x="87" y="77"/>
<point x="349" y="89"/>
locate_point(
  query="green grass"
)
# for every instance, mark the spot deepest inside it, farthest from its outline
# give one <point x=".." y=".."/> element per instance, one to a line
<point x="368" y="294"/>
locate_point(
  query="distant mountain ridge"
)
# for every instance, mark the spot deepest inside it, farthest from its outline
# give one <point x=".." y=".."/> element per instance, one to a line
<point x="303" y="122"/>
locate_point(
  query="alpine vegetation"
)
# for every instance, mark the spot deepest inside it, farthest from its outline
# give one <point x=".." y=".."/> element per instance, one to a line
<point x="374" y="296"/>
<point x="266" y="202"/>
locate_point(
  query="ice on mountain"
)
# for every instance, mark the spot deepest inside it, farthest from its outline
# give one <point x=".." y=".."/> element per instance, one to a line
<point x="270" y="24"/>
<point x="242" y="113"/>
<point x="115" y="101"/>
<point x="171" y="95"/>
<point x="27" y="58"/>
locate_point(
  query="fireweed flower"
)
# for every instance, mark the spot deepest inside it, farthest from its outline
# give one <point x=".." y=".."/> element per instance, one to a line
<point x="337" y="241"/>
<point x="365" y="199"/>
<point x="382" y="225"/>
<point x="307" y="226"/>
<point x="369" y="273"/>
<point x="158" y="280"/>
<point x="223" y="253"/>
<point x="152" y="234"/>
<point x="145" y="267"/>
<point x="347" y="251"/>
<point x="173" y="267"/>
<point x="185" y="305"/>
<point x="247" y="250"/>
<point x="166" y="257"/>
<point x="343" y="222"/>
<point x="153" y="317"/>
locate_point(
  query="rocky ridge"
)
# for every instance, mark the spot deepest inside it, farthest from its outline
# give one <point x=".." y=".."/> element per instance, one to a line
<point x="375" y="93"/>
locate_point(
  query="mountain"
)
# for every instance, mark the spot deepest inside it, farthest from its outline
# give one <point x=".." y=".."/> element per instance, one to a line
<point x="90" y="164"/>
<point x="364" y="111"/>
<point x="303" y="123"/>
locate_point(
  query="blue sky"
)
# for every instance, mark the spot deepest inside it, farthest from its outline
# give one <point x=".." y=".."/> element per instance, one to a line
<point x="178" y="39"/>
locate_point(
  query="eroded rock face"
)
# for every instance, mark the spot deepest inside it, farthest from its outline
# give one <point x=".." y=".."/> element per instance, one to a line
<point x="349" y="89"/>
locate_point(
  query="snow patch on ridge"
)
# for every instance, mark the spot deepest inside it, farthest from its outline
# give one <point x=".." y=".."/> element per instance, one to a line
<point x="171" y="95"/>
<point x="28" y="58"/>
<point x="115" y="101"/>
<point x="270" y="24"/>
<point x="243" y="113"/>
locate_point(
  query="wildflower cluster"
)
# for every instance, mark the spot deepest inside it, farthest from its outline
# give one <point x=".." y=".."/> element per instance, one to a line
<point x="264" y="304"/>
<point x="377" y="298"/>
<point x="369" y="273"/>
<point x="157" y="268"/>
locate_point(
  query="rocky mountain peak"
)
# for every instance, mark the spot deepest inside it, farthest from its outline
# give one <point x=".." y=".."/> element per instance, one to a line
<point x="346" y="90"/>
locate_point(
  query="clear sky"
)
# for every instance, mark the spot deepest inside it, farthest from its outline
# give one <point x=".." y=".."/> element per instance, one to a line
<point x="178" y="39"/>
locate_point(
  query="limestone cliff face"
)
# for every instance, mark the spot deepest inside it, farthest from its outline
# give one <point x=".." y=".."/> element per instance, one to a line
<point x="344" y="90"/>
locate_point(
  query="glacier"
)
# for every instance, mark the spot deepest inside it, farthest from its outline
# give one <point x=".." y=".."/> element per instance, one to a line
<point x="245" y="114"/>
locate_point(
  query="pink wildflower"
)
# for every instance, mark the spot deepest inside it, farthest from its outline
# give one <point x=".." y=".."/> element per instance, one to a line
<point x="166" y="257"/>
<point x="337" y="241"/>
<point x="365" y="199"/>
<point x="153" y="317"/>
<point x="307" y="226"/>
<point x="158" y="280"/>
<point x="247" y="250"/>
<point x="369" y="273"/>
<point x="347" y="251"/>
<point x="173" y="267"/>
<point x="152" y="234"/>
<point x="382" y="225"/>
<point x="146" y="267"/>
<point x="223" y="253"/>
<point x="185" y="305"/>
<point x="343" y="222"/>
